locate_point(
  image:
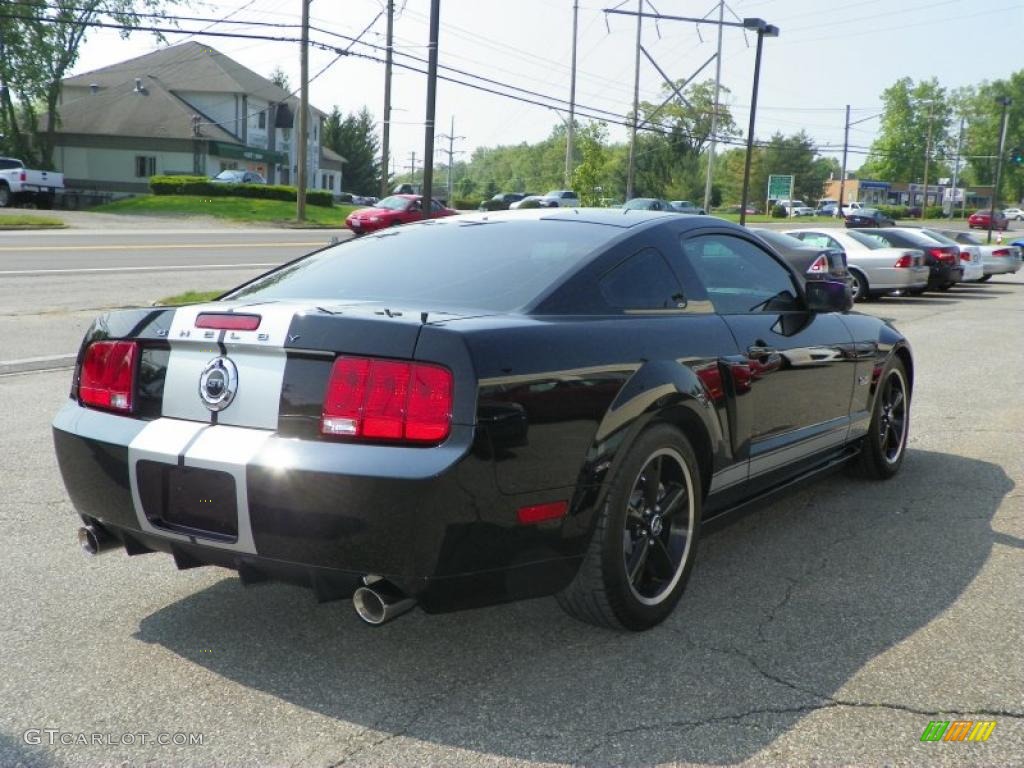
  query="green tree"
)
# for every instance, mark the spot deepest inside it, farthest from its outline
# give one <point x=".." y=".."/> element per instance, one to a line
<point x="587" y="175"/>
<point x="981" y="133"/>
<point x="911" y="112"/>
<point x="354" y="137"/>
<point x="280" y="78"/>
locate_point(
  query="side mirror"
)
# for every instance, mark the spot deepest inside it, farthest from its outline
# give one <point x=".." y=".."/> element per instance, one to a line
<point x="828" y="296"/>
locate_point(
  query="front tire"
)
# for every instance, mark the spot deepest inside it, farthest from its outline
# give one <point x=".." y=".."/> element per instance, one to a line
<point x="886" y="441"/>
<point x="645" y="539"/>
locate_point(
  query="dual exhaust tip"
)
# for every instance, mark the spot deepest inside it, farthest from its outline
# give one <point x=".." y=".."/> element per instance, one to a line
<point x="376" y="603"/>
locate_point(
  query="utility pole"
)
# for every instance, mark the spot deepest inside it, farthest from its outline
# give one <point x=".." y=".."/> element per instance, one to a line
<point x="412" y="167"/>
<point x="385" y="143"/>
<point x="927" y="153"/>
<point x="571" y="129"/>
<point x="428" y="143"/>
<point x="303" y="138"/>
<point x="714" y="115"/>
<point x="1005" y="101"/>
<point x="842" y="175"/>
<point x="631" y="173"/>
<point x="956" y="170"/>
<point x="451" y="153"/>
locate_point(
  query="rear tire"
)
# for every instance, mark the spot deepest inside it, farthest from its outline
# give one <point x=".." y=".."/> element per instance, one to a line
<point x="645" y="538"/>
<point x="859" y="288"/>
<point x="945" y="286"/>
<point x="917" y="291"/>
<point x="5" y="195"/>
<point x="886" y="441"/>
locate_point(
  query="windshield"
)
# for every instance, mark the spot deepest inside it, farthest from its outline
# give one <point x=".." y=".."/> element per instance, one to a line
<point x="393" y="203"/>
<point x="230" y="175"/>
<point x="493" y="266"/>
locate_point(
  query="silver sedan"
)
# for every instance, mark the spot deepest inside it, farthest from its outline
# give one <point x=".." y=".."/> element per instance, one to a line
<point x="876" y="270"/>
<point x="996" y="258"/>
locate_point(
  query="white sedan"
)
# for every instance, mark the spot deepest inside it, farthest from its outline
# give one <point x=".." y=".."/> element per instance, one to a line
<point x="1014" y="213"/>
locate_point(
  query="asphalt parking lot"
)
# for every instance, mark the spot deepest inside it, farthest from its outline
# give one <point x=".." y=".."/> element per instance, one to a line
<point x="826" y="629"/>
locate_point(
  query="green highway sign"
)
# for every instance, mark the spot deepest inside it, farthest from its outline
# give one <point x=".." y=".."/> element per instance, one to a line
<point x="780" y="187"/>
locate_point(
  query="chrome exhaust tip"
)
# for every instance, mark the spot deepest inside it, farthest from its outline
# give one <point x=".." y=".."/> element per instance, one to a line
<point x="380" y="602"/>
<point x="93" y="539"/>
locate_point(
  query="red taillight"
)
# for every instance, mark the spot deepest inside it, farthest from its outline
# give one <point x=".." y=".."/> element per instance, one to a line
<point x="107" y="379"/>
<point x="942" y="254"/>
<point x="227" y="321"/>
<point x="387" y="400"/>
<point x="538" y="513"/>
<point x="904" y="261"/>
<point x="819" y="267"/>
<point x="965" y="256"/>
<point x="1003" y="252"/>
<point x="23" y="176"/>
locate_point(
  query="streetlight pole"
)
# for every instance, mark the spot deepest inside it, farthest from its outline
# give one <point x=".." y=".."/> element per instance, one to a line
<point x="1005" y="101"/>
<point x="714" y="114"/>
<point x="427" y="198"/>
<point x="763" y="30"/>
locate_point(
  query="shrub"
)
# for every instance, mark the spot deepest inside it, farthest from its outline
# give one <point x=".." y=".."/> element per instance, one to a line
<point x="933" y="212"/>
<point x="779" y="212"/>
<point x="894" y="212"/>
<point x="200" y="186"/>
<point x="468" y="204"/>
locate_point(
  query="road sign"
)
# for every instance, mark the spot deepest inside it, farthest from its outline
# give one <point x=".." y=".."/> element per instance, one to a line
<point x="780" y="187"/>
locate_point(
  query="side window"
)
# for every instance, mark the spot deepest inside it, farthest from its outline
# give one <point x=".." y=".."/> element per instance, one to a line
<point x="739" y="276"/>
<point x="644" y="281"/>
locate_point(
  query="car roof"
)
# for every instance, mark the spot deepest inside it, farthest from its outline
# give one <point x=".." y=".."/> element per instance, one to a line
<point x="623" y="218"/>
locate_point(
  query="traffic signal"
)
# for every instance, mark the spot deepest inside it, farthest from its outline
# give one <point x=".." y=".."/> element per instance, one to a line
<point x="1017" y="156"/>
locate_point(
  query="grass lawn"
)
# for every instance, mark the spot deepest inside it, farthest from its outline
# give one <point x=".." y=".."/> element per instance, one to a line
<point x="188" y="297"/>
<point x="29" y="221"/>
<point x="233" y="208"/>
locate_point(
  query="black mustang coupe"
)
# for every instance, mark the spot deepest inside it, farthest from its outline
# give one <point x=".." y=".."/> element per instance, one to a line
<point x="481" y="408"/>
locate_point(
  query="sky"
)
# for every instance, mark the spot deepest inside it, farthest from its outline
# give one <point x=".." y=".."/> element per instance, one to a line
<point x="828" y="55"/>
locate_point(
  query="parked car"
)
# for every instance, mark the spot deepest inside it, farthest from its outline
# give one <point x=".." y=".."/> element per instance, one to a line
<point x="562" y="198"/>
<point x="943" y="260"/>
<point x="795" y="207"/>
<point x="801" y="210"/>
<point x="649" y="204"/>
<point x="751" y="209"/>
<point x="238" y="176"/>
<point x="685" y="206"/>
<point x="532" y="201"/>
<point x="829" y="209"/>
<point x="406" y="189"/>
<point x="980" y="219"/>
<point x="19" y="184"/>
<point x="996" y="259"/>
<point x="867" y="217"/>
<point x="876" y="269"/>
<point x="1014" y="213"/>
<point x="501" y="201"/>
<point x="853" y="207"/>
<point x="363" y="199"/>
<point x="357" y="426"/>
<point x="970" y="255"/>
<point x="812" y="262"/>
<point x="392" y="211"/>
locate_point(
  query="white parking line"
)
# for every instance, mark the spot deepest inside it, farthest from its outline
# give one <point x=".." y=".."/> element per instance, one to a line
<point x="168" y="267"/>
<point x="160" y="247"/>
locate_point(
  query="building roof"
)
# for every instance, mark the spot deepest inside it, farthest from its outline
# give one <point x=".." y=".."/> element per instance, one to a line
<point x="331" y="159"/>
<point x="153" y="112"/>
<point x="189" y="66"/>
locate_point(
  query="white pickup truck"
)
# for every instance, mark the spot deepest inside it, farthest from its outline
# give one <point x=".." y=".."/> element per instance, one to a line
<point x="21" y="184"/>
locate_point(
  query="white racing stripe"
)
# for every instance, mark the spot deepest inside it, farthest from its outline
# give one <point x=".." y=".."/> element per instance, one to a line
<point x="221" y="448"/>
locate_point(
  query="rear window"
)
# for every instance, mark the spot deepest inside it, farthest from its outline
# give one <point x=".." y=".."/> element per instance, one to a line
<point x="492" y="266"/>
<point x="870" y="241"/>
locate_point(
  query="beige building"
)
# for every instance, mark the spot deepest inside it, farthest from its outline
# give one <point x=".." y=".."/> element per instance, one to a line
<point x="184" y="109"/>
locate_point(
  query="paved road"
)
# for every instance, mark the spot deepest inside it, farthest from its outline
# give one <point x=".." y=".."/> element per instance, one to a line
<point x="52" y="284"/>
<point x="826" y="629"/>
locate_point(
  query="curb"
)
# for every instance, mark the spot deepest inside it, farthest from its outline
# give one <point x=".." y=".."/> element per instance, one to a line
<point x="37" y="364"/>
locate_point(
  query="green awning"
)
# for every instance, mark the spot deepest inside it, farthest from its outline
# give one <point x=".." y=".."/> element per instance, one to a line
<point x="256" y="154"/>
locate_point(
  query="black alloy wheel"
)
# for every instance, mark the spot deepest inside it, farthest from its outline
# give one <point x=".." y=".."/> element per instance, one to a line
<point x="645" y="537"/>
<point x="886" y="441"/>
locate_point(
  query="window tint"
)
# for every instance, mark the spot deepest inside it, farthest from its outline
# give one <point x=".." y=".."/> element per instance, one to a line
<point x="496" y="266"/>
<point x="643" y="281"/>
<point x="818" y="239"/>
<point x="739" y="276"/>
<point x="872" y="241"/>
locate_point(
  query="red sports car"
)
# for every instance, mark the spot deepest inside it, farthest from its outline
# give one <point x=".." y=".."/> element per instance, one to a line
<point x="980" y="218"/>
<point x="392" y="211"/>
